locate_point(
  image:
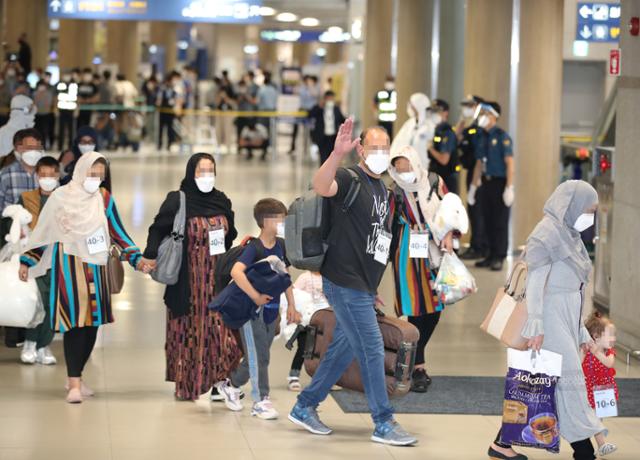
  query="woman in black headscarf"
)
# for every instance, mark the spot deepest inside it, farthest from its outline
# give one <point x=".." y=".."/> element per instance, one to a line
<point x="200" y="350"/>
<point x="85" y="141"/>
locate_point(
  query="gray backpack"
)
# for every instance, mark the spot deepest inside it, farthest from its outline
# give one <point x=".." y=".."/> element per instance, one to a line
<point x="308" y="224"/>
<point x="170" y="251"/>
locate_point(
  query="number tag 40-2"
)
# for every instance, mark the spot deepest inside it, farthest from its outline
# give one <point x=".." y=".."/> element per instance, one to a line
<point x="97" y="242"/>
<point x="216" y="242"/>
<point x="605" y="399"/>
<point x="419" y="245"/>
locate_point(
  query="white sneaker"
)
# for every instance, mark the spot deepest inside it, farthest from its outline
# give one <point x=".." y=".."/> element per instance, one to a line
<point x="46" y="357"/>
<point x="28" y="354"/>
<point x="607" y="449"/>
<point x="264" y="410"/>
<point x="231" y="395"/>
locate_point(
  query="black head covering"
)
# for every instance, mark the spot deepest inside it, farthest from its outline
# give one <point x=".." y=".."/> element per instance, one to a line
<point x="210" y="204"/>
<point x="75" y="149"/>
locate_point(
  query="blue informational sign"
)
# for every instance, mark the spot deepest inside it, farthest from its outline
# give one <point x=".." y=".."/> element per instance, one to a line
<point x="598" y="22"/>
<point x="300" y="36"/>
<point x="223" y="11"/>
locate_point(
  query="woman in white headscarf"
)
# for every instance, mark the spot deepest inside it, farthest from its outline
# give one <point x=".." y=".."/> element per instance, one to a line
<point x="418" y="130"/>
<point x="417" y="197"/>
<point x="73" y="237"/>
<point x="559" y="268"/>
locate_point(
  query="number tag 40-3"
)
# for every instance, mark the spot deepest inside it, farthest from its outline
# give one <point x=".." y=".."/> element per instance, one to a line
<point x="216" y="242"/>
<point x="605" y="399"/>
<point x="419" y="245"/>
<point x="97" y="242"/>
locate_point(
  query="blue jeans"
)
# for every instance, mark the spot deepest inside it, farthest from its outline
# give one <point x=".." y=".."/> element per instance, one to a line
<point x="357" y="335"/>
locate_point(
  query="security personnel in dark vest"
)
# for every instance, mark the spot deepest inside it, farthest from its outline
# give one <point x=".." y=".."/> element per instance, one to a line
<point x="385" y="104"/>
<point x="443" y="152"/>
<point x="493" y="184"/>
<point x="469" y="137"/>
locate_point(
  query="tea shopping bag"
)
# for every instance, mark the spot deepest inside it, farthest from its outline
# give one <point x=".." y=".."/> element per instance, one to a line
<point x="529" y="415"/>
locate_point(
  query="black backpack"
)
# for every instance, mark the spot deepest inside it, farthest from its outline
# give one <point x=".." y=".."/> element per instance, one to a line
<point x="226" y="261"/>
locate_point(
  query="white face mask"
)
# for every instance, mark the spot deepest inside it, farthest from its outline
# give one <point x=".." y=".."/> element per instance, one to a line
<point x="31" y="157"/>
<point x="408" y="177"/>
<point x="86" y="148"/>
<point x="467" y="112"/>
<point x="389" y="86"/>
<point x="437" y="118"/>
<point x="206" y="183"/>
<point x="483" y="121"/>
<point x="377" y="161"/>
<point x="280" y="229"/>
<point x="48" y="184"/>
<point x="329" y="105"/>
<point x="91" y="184"/>
<point x="584" y="221"/>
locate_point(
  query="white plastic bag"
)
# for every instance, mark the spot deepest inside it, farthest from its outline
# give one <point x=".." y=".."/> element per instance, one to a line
<point x="454" y="281"/>
<point x="21" y="305"/>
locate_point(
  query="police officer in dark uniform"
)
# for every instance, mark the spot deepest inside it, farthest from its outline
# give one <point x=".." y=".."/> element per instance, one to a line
<point x="493" y="184"/>
<point x="443" y="152"/>
<point x="470" y="136"/>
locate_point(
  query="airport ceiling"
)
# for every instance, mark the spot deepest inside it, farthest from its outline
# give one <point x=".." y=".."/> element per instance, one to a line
<point x="328" y="12"/>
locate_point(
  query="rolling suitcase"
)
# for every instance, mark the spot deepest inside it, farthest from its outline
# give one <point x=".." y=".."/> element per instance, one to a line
<point x="400" y="339"/>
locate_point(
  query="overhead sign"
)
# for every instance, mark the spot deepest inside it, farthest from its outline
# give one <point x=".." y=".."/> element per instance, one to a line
<point x="323" y="36"/>
<point x="598" y="22"/>
<point x="223" y="11"/>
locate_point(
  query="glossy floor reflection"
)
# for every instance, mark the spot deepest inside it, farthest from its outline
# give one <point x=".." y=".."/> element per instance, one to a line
<point x="134" y="415"/>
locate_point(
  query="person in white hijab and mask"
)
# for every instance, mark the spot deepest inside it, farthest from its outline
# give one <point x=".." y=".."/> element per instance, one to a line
<point x="418" y="130"/>
<point x="559" y="269"/>
<point x="417" y="198"/>
<point x="73" y="237"/>
<point x="22" y="116"/>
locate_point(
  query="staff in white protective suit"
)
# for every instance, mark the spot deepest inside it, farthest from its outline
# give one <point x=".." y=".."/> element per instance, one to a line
<point x="417" y="131"/>
<point x="23" y="115"/>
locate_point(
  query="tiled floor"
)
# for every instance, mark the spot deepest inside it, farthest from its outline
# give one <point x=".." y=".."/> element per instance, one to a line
<point x="134" y="415"/>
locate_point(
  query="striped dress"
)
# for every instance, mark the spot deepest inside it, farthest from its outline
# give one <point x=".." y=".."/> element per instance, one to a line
<point x="414" y="279"/>
<point x="80" y="293"/>
<point x="200" y="349"/>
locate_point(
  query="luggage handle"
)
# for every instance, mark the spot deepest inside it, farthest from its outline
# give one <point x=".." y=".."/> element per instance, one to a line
<point x="310" y="343"/>
<point x="299" y="330"/>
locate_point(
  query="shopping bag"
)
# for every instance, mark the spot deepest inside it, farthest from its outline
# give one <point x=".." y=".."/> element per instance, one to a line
<point x="508" y="314"/>
<point x="21" y="305"/>
<point x="454" y="281"/>
<point x="529" y="415"/>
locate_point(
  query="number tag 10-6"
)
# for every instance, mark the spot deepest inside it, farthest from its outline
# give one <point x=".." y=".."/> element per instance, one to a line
<point x="419" y="245"/>
<point x="216" y="242"/>
<point x="97" y="242"/>
<point x="605" y="399"/>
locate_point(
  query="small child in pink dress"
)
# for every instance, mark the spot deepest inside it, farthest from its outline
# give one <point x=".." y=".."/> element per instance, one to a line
<point x="598" y="366"/>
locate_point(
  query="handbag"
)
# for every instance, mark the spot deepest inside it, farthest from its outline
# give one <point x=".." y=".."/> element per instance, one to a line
<point x="508" y="314"/>
<point x="21" y="305"/>
<point x="115" y="271"/>
<point x="169" y="258"/>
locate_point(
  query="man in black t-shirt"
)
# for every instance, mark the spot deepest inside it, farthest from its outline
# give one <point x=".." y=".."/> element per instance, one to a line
<point x="358" y="253"/>
<point x="87" y="94"/>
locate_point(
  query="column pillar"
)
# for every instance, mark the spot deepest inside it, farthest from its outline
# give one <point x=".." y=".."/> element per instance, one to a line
<point x="72" y="32"/>
<point x="537" y="143"/>
<point x="123" y="47"/>
<point x="415" y="25"/>
<point x="30" y="17"/>
<point x="301" y="53"/>
<point x="625" y="271"/>
<point x="377" y="53"/>
<point x="451" y="68"/>
<point x="165" y="34"/>
<point x="487" y="45"/>
<point x="268" y="55"/>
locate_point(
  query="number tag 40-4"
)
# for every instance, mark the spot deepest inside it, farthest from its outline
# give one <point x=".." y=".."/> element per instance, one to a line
<point x="419" y="245"/>
<point x="216" y="242"/>
<point x="605" y="399"/>
<point x="97" y="242"/>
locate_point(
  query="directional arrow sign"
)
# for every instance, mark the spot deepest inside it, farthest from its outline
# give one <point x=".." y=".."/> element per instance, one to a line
<point x="586" y="32"/>
<point x="585" y="11"/>
<point x="56" y="5"/>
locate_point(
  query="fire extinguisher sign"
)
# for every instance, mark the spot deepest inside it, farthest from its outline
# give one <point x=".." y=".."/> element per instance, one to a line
<point x="614" y="62"/>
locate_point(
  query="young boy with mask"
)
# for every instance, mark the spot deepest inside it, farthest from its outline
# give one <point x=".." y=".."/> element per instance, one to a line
<point x="37" y="340"/>
<point x="257" y="335"/>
